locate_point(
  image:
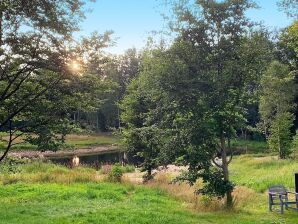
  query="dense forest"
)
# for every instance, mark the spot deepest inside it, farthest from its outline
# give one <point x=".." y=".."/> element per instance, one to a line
<point x="223" y="77"/>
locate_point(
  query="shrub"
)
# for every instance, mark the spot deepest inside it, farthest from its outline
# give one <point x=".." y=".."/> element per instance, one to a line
<point x="116" y="173"/>
<point x="128" y="169"/>
<point x="11" y="165"/>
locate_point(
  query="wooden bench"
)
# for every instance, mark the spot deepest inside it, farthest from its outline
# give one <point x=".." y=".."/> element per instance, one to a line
<point x="278" y="195"/>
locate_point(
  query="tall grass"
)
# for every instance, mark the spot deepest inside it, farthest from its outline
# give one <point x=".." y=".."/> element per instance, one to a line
<point x="259" y="173"/>
<point x="40" y="172"/>
<point x="48" y="193"/>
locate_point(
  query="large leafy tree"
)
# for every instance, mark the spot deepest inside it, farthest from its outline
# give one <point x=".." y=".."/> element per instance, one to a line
<point x="195" y="92"/>
<point x="288" y="54"/>
<point x="40" y="83"/>
<point x="219" y="33"/>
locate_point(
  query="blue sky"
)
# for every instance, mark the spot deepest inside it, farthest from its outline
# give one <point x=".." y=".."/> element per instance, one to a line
<point x="133" y="20"/>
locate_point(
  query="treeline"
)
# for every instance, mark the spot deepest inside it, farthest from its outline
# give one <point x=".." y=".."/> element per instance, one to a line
<point x="118" y="70"/>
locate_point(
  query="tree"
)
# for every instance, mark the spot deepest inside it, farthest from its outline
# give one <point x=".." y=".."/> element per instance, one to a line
<point x="276" y="105"/>
<point x="218" y="31"/>
<point x="121" y="71"/>
<point x="290" y="7"/>
<point x="118" y="70"/>
<point x="280" y="137"/>
<point x="194" y="93"/>
<point x="288" y="46"/>
<point x="40" y="84"/>
<point x="143" y="136"/>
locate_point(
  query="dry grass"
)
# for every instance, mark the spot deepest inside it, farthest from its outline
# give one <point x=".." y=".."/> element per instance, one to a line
<point x="186" y="193"/>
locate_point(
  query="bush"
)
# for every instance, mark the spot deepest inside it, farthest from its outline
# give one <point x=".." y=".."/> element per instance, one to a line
<point x="128" y="169"/>
<point x="106" y="169"/>
<point x="116" y="173"/>
<point x="11" y="165"/>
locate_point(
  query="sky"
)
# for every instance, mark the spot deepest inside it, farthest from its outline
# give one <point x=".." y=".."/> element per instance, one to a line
<point x="134" y="20"/>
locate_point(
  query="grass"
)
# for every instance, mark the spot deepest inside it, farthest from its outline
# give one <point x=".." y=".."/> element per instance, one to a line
<point x="102" y="139"/>
<point x="250" y="146"/>
<point x="258" y="173"/>
<point x="48" y="193"/>
<point x="75" y="141"/>
<point x="85" y="141"/>
<point x="110" y="203"/>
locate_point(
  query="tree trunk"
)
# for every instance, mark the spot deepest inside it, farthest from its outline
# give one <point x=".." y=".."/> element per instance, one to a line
<point x="281" y="156"/>
<point x="229" y="198"/>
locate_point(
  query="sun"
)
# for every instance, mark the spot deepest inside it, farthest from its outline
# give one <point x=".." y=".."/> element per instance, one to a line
<point x="75" y="66"/>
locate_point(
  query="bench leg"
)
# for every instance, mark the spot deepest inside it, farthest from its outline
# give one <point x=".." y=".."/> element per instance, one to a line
<point x="270" y="203"/>
<point x="281" y="208"/>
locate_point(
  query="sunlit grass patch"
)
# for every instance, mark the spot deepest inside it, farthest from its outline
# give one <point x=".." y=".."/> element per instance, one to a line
<point x="81" y="141"/>
<point x="259" y="173"/>
<point x="72" y="141"/>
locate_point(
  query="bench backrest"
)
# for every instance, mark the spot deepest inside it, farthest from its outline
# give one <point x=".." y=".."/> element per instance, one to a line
<point x="278" y="189"/>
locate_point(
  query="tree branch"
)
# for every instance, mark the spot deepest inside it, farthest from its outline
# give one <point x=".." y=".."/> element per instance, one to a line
<point x="27" y="104"/>
<point x="9" y="143"/>
<point x="5" y="95"/>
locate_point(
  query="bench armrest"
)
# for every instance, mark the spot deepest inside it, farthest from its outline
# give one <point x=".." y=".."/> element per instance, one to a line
<point x="289" y="192"/>
<point x="277" y="194"/>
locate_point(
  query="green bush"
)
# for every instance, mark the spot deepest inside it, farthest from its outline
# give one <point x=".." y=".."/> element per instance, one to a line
<point x="11" y="165"/>
<point x="128" y="169"/>
<point x="116" y="173"/>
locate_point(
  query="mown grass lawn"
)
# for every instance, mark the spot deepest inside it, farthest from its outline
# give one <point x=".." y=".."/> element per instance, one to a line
<point x="47" y="193"/>
<point x="111" y="203"/>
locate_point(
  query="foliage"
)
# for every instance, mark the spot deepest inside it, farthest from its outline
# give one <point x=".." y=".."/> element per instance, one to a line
<point x="39" y="85"/>
<point x="295" y="142"/>
<point x="11" y="165"/>
<point x="116" y="173"/>
<point x="290" y="7"/>
<point x="280" y="137"/>
<point x="276" y="104"/>
<point x="118" y="70"/>
<point x="249" y="146"/>
<point x="288" y="46"/>
<point x="192" y="95"/>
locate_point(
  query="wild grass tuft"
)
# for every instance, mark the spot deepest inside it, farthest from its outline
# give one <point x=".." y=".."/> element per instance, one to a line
<point x="40" y="172"/>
